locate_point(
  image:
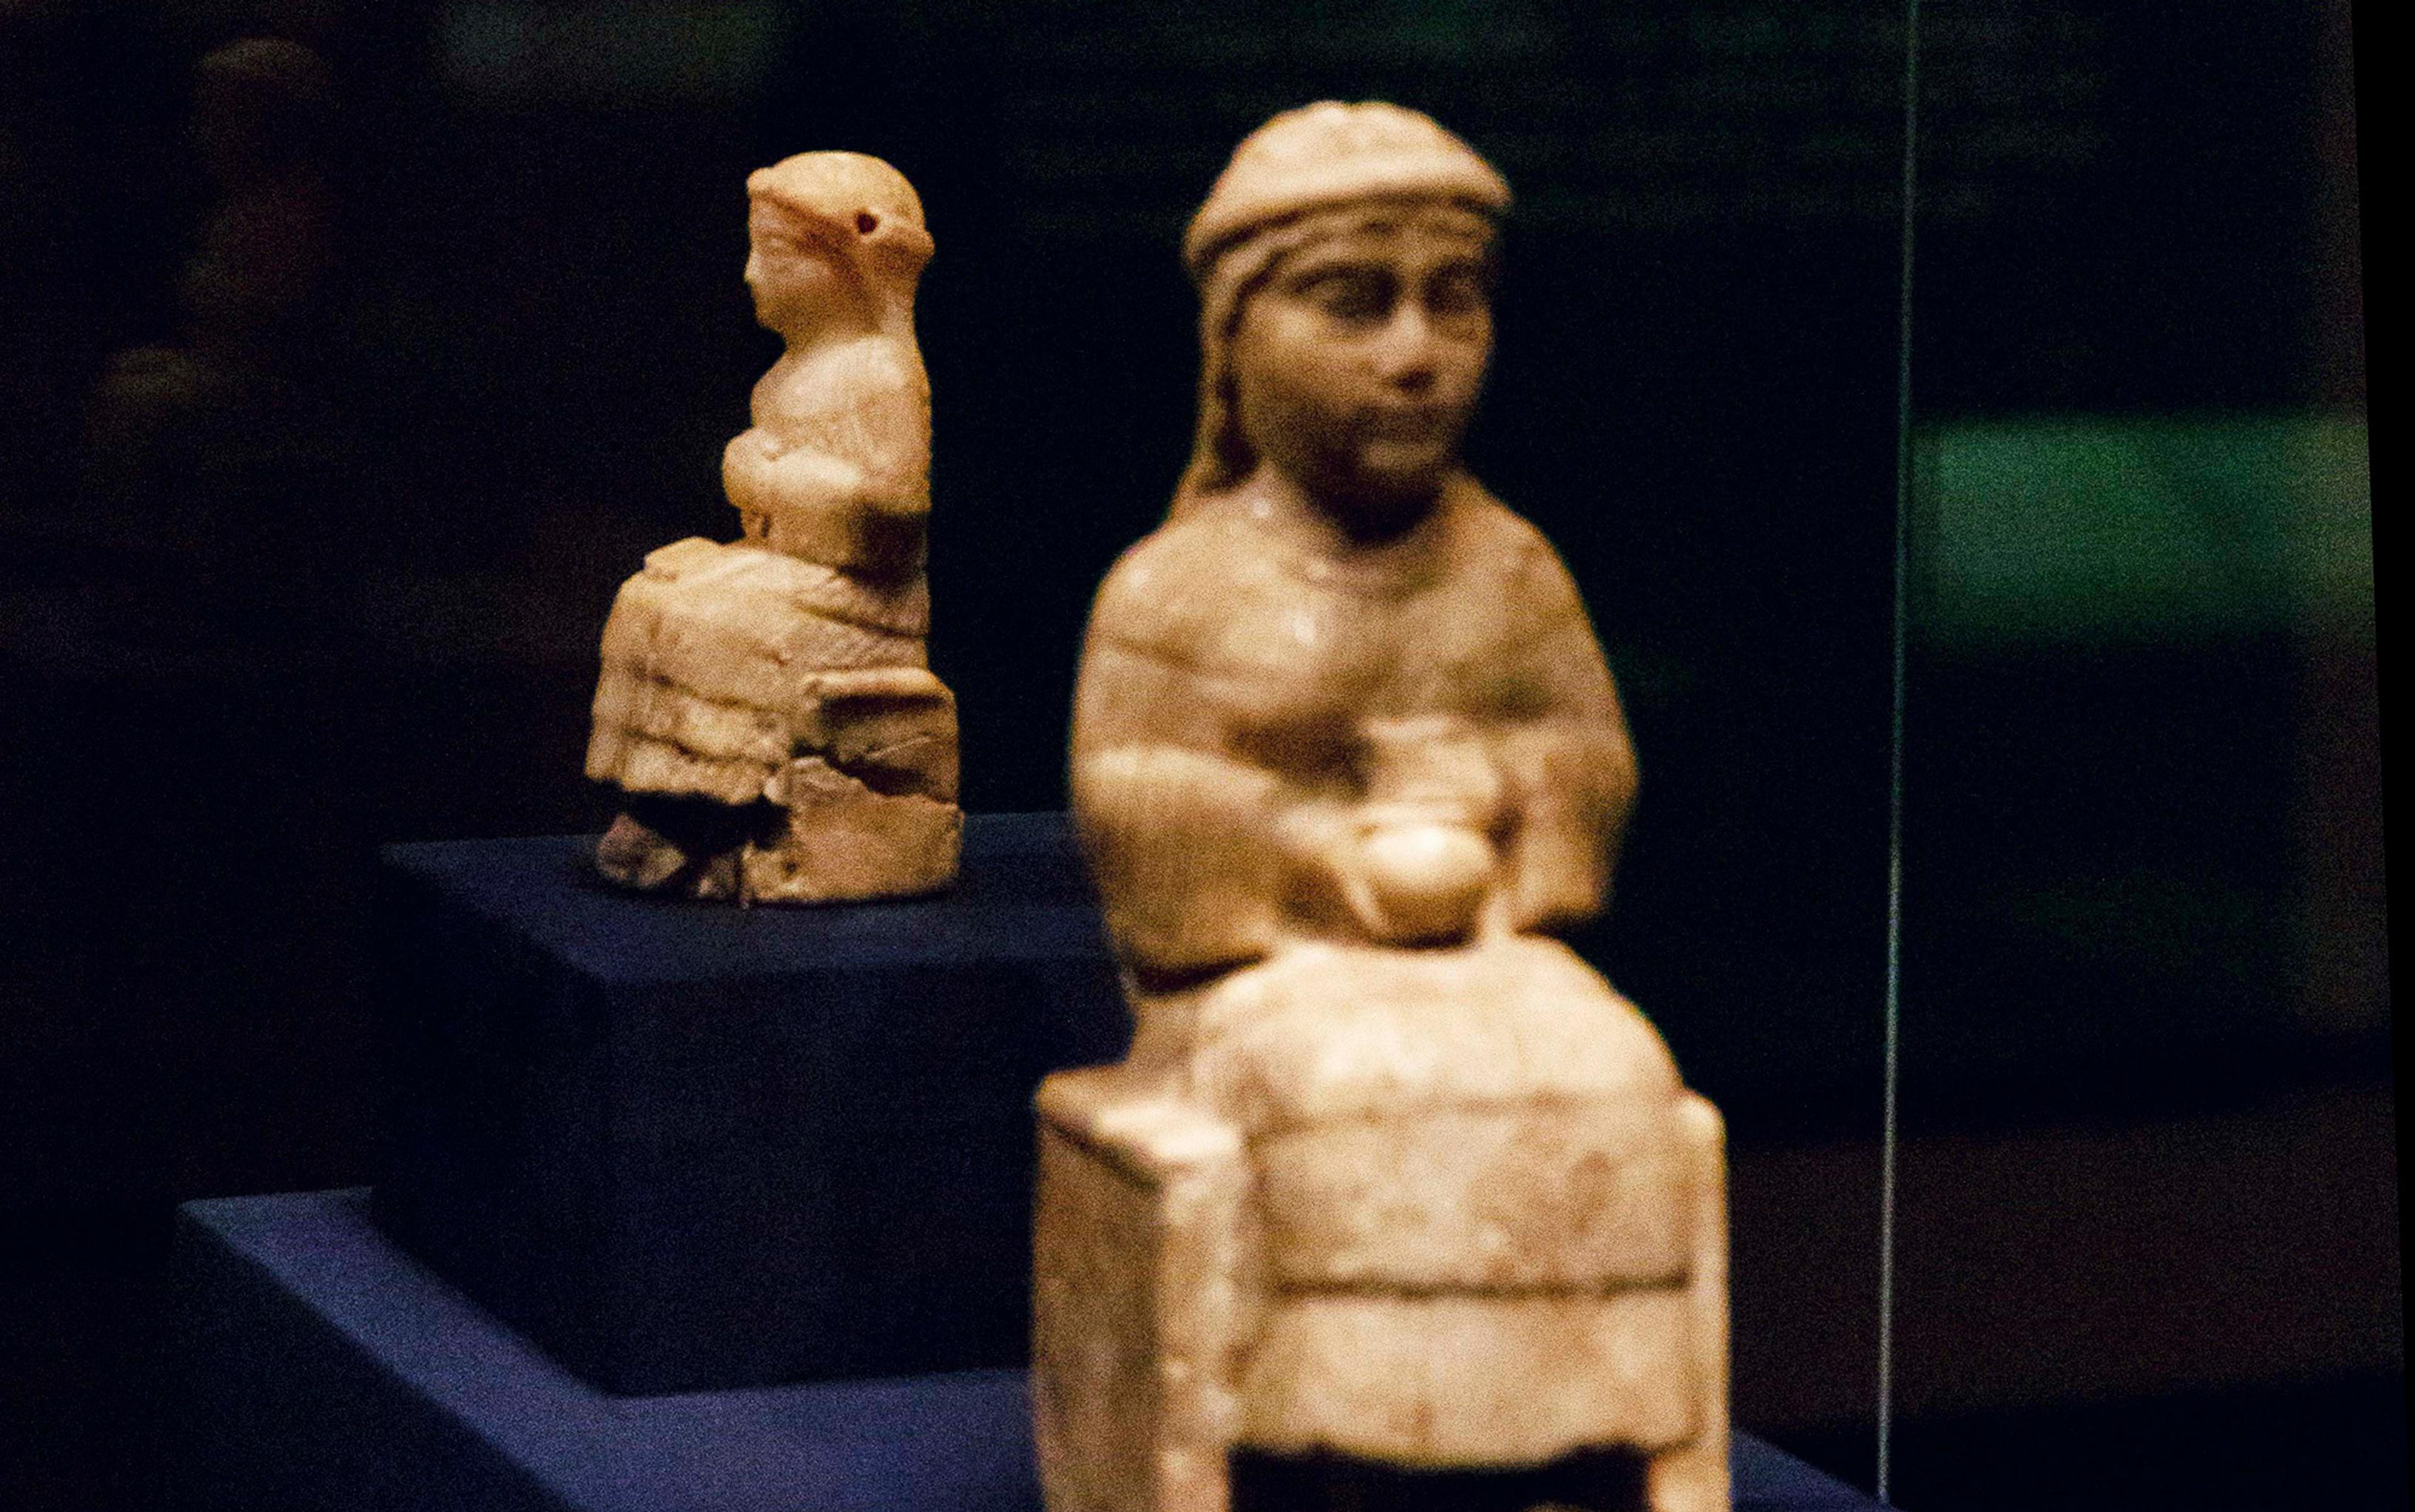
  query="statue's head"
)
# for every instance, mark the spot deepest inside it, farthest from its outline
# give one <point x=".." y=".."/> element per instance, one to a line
<point x="1345" y="263"/>
<point x="832" y="238"/>
<point x="262" y="105"/>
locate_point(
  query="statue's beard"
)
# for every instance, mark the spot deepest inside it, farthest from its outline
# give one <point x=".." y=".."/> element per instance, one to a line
<point x="1373" y="467"/>
<point x="1385" y="484"/>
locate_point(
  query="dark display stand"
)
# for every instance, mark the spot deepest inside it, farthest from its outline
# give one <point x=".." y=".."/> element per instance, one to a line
<point x="688" y="1147"/>
<point x="660" y="1172"/>
<point x="328" y="1370"/>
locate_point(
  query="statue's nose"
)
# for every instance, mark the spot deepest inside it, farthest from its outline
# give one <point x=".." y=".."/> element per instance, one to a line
<point x="1408" y="352"/>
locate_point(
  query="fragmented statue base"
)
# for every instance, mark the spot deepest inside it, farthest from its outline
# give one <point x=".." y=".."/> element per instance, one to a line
<point x="766" y="708"/>
<point x="775" y="731"/>
<point x="1393" y="1189"/>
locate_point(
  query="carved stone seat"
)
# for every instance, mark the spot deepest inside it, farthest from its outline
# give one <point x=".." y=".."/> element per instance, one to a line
<point x="793" y="701"/>
<point x="1415" y="1207"/>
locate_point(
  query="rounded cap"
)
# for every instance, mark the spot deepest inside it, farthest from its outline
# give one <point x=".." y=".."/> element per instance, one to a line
<point x="1328" y="154"/>
<point x="860" y="196"/>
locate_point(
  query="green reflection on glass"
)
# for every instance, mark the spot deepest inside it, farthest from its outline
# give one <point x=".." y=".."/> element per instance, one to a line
<point x="611" y="52"/>
<point x="2165" y="529"/>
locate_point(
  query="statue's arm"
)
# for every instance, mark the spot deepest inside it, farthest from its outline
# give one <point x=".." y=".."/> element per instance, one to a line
<point x="873" y="455"/>
<point x="763" y="477"/>
<point x="1568" y="767"/>
<point x="813" y="502"/>
<point x="1178" y="832"/>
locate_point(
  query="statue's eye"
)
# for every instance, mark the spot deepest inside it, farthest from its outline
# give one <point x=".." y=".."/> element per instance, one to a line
<point x="1456" y="290"/>
<point x="867" y="222"/>
<point x="1351" y="294"/>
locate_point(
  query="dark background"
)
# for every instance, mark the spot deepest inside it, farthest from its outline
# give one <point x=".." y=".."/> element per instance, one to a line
<point x="2148" y="1224"/>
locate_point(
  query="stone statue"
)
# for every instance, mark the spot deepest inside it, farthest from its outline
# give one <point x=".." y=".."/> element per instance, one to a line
<point x="767" y="710"/>
<point x="211" y="489"/>
<point x="1395" y="1196"/>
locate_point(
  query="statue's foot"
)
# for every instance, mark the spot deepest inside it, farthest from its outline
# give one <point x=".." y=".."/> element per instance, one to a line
<point x="688" y="847"/>
<point x="842" y="839"/>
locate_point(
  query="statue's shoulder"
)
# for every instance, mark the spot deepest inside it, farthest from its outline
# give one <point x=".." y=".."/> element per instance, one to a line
<point x="1503" y="551"/>
<point x="883" y="360"/>
<point x="1170" y="593"/>
<point x="845" y="372"/>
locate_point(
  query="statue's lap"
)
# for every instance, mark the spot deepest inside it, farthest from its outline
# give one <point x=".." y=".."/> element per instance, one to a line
<point x="1477" y="1202"/>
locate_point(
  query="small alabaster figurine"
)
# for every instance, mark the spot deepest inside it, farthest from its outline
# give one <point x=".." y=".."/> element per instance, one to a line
<point x="1394" y="1190"/>
<point x="767" y="710"/>
<point x="211" y="469"/>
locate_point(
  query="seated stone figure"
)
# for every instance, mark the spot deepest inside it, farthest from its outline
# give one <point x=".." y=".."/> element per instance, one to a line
<point x="1395" y="1196"/>
<point x="212" y="501"/>
<point x="766" y="709"/>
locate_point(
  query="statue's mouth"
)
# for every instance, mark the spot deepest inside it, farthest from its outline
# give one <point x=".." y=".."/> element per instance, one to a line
<point x="1409" y="422"/>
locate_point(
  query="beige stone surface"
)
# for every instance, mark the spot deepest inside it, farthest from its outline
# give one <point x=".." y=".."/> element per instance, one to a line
<point x="765" y="705"/>
<point x="1321" y="1033"/>
<point x="1556" y="1198"/>
<point x="1390" y="1175"/>
<point x="1460" y="1379"/>
<point x="1143" y="1209"/>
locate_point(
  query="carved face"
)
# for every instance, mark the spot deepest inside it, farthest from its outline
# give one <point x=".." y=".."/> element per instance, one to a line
<point x="795" y="268"/>
<point x="1357" y="365"/>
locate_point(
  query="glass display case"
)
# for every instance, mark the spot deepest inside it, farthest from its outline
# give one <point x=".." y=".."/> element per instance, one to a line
<point x="1953" y="412"/>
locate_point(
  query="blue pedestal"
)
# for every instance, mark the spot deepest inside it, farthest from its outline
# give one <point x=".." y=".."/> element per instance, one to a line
<point x="326" y="1369"/>
<point x="686" y="1145"/>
